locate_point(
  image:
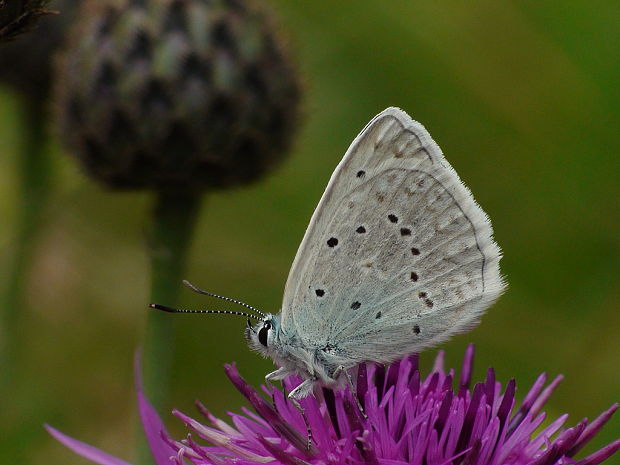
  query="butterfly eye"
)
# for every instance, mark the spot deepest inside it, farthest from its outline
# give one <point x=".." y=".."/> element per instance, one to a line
<point x="262" y="335"/>
<point x="264" y="331"/>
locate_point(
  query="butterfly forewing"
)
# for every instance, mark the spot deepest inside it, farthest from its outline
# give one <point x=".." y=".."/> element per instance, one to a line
<point x="397" y="256"/>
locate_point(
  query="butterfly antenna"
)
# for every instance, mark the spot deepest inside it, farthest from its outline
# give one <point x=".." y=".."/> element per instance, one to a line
<point x="223" y="312"/>
<point x="228" y="299"/>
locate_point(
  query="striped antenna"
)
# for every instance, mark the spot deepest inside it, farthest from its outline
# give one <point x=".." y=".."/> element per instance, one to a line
<point x="227" y="299"/>
<point x="223" y="312"/>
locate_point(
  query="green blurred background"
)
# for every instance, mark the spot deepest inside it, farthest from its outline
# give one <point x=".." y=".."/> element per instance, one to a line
<point x="523" y="98"/>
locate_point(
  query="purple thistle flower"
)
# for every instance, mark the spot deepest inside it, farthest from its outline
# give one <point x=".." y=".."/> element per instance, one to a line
<point x="405" y="420"/>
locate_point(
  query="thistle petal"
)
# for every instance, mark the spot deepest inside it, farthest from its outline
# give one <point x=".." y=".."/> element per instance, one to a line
<point x="87" y="451"/>
<point x="151" y="422"/>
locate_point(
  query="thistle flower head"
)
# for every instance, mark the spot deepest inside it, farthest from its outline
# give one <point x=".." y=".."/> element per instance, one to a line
<point x="27" y="62"/>
<point x="19" y="16"/>
<point x="177" y="94"/>
<point x="407" y="419"/>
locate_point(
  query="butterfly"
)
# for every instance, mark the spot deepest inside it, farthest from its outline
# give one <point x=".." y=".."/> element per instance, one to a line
<point x="398" y="257"/>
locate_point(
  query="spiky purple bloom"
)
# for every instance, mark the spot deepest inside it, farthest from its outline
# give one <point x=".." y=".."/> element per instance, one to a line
<point x="405" y="420"/>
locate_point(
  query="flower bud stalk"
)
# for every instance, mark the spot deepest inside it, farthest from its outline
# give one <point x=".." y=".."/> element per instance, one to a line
<point x="173" y="220"/>
<point x="34" y="176"/>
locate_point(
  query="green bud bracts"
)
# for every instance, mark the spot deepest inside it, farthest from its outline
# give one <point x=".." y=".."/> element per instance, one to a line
<point x="188" y="94"/>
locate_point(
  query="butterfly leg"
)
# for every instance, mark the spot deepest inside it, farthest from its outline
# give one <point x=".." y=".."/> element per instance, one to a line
<point x="303" y="390"/>
<point x="279" y="374"/>
<point x="298" y="406"/>
<point x="342" y="369"/>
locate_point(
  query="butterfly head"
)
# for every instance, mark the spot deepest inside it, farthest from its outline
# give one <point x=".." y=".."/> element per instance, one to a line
<point x="262" y="336"/>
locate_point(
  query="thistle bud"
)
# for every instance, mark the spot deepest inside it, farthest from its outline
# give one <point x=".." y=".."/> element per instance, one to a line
<point x="19" y="16"/>
<point x="26" y="63"/>
<point x="176" y="94"/>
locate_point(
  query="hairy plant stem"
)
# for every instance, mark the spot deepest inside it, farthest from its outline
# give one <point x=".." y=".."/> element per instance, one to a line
<point x="173" y="220"/>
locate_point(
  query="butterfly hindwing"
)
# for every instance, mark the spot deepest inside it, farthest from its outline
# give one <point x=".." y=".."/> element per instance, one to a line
<point x="398" y="256"/>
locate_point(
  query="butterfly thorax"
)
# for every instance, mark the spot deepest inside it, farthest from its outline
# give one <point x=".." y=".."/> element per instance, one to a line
<point x="319" y="362"/>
